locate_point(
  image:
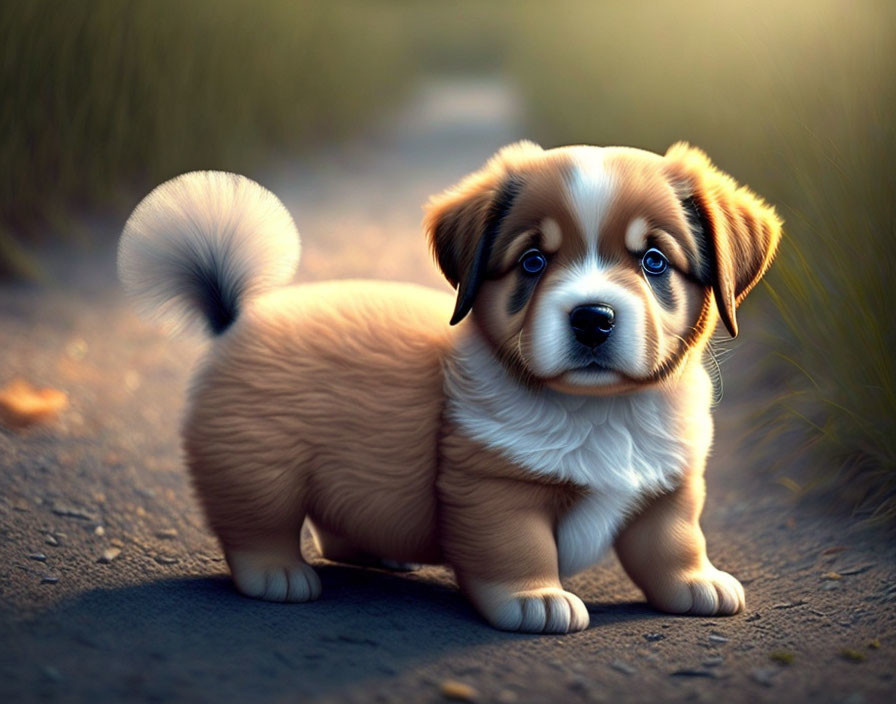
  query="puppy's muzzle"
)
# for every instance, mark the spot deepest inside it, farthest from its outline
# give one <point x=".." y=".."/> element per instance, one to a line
<point x="592" y="323"/>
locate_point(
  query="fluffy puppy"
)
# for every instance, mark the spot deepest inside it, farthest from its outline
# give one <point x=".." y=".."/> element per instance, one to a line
<point x="565" y="411"/>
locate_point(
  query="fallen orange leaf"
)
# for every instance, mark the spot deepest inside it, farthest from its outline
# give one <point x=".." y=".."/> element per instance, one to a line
<point x="21" y="404"/>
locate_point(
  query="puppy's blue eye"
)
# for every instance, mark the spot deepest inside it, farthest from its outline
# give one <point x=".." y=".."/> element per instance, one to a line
<point x="654" y="262"/>
<point x="533" y="262"/>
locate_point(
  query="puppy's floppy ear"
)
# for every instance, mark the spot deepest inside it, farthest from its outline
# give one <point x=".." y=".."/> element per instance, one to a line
<point x="463" y="222"/>
<point x="738" y="232"/>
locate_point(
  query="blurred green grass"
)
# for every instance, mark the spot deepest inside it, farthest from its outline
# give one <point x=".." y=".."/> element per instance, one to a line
<point x="102" y="99"/>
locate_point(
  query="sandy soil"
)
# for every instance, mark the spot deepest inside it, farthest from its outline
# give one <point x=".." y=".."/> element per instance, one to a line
<point x="160" y="621"/>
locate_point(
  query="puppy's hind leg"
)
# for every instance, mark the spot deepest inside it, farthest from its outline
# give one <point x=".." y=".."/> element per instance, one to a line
<point x="257" y="512"/>
<point x="273" y="570"/>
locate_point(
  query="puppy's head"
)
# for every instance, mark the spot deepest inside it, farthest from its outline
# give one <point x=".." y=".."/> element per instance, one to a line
<point x="595" y="270"/>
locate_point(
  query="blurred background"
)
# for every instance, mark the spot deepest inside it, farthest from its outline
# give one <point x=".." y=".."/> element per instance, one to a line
<point x="355" y="111"/>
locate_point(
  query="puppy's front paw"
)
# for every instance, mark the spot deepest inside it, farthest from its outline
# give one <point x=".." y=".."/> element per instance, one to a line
<point x="707" y="592"/>
<point x="261" y="577"/>
<point x="547" y="610"/>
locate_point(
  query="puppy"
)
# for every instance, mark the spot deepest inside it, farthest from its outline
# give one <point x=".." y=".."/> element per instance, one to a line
<point x="564" y="409"/>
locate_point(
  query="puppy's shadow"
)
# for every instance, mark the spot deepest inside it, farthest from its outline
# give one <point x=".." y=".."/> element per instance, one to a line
<point x="174" y="637"/>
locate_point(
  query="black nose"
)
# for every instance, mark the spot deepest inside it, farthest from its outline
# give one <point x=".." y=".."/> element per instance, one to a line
<point x="592" y="324"/>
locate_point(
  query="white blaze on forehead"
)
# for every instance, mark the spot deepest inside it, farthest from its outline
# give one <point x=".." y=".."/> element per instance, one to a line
<point x="636" y="235"/>
<point x="590" y="191"/>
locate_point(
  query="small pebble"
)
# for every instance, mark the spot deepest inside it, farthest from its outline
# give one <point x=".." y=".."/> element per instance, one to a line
<point x="347" y="637"/>
<point x="578" y="683"/>
<point x="69" y="511"/>
<point x="790" y="604"/>
<point x="131" y="380"/>
<point x="165" y="559"/>
<point x="717" y="638"/>
<point x="108" y="555"/>
<point x="857" y="570"/>
<point x="831" y="576"/>
<point x="782" y="657"/>
<point x="51" y="673"/>
<point x="39" y="556"/>
<point x="852" y="655"/>
<point x="764" y="675"/>
<point x="622" y="667"/>
<point x="458" y="691"/>
<point x="166" y="533"/>
<point x="49" y="579"/>
<point x="76" y="348"/>
<point x="51" y="540"/>
<point x="855" y="698"/>
<point x="653" y="637"/>
<point x="694" y="672"/>
<point x="836" y="549"/>
<point x="713" y="661"/>
<point x="99" y="530"/>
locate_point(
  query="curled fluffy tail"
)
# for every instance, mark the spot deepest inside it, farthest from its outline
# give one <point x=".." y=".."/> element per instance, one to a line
<point x="200" y="244"/>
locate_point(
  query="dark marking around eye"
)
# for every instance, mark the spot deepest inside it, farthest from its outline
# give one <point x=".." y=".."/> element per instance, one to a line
<point x="525" y="286"/>
<point x="665" y="290"/>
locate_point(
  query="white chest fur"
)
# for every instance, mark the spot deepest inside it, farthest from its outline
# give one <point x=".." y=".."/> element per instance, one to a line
<point x="620" y="449"/>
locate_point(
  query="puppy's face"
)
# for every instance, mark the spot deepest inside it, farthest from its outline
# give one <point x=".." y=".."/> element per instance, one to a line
<point x="597" y="270"/>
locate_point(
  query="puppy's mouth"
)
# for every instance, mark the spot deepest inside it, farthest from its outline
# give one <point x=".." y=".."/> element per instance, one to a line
<point x="593" y="373"/>
<point x="593" y="367"/>
<point x="592" y="377"/>
<point x="591" y="362"/>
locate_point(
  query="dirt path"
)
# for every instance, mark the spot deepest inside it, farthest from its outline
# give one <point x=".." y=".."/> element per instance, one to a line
<point x="160" y="622"/>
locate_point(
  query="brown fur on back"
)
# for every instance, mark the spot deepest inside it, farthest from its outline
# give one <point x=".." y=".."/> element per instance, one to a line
<point x="288" y="419"/>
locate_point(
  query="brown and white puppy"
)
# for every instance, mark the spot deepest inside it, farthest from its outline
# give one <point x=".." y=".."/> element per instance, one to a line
<point x="568" y="410"/>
